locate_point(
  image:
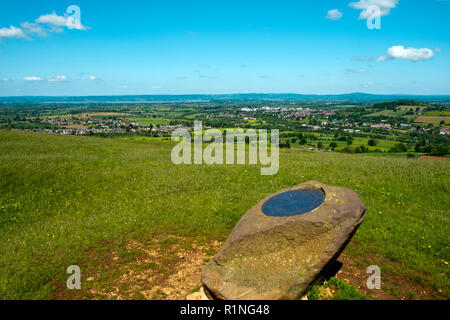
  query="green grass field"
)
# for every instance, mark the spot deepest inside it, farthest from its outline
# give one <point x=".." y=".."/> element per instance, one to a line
<point x="326" y="139"/>
<point x="63" y="195"/>
<point x="149" y="121"/>
<point x="438" y="113"/>
<point x="387" y="113"/>
<point x="400" y="112"/>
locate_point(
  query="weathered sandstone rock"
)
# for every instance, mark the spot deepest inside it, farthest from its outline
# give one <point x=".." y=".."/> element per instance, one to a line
<point x="273" y="257"/>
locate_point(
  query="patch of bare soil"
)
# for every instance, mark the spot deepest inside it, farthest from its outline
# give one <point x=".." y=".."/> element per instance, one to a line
<point x="393" y="287"/>
<point x="169" y="268"/>
<point x="434" y="158"/>
<point x="142" y="271"/>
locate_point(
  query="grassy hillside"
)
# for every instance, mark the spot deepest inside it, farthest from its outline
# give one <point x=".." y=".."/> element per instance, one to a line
<point x="61" y="195"/>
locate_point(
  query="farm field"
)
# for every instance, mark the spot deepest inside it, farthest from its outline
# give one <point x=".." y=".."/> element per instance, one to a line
<point x="381" y="144"/>
<point x="438" y="113"/>
<point x="101" y="114"/>
<point x="76" y="200"/>
<point x="411" y="108"/>
<point x="392" y="113"/>
<point x="432" y="119"/>
<point x="387" y="113"/>
<point x="150" y="121"/>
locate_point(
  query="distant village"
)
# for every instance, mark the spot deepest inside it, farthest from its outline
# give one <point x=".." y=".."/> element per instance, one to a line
<point x="313" y="119"/>
<point x="76" y="126"/>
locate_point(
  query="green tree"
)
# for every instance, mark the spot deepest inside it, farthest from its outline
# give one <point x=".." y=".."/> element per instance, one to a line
<point x="333" y="145"/>
<point x="401" y="147"/>
<point x="350" y="140"/>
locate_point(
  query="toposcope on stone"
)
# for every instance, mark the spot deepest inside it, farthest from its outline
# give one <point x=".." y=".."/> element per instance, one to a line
<point x="284" y="243"/>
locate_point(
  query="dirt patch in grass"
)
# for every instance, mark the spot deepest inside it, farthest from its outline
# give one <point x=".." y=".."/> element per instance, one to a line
<point x="167" y="268"/>
<point x="393" y="287"/>
<point x="434" y="158"/>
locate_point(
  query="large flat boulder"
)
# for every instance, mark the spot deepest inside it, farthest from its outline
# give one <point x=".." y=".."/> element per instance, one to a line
<point x="282" y="245"/>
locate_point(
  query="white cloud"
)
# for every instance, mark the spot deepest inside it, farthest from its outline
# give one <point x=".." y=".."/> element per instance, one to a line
<point x="412" y="54"/>
<point x="60" y="21"/>
<point x="12" y="32"/>
<point x="92" y="78"/>
<point x="364" y="5"/>
<point x="7" y="79"/>
<point x="33" y="28"/>
<point x="52" y="19"/>
<point x="57" y="79"/>
<point x="334" y="14"/>
<point x="32" y="79"/>
<point x="54" y="29"/>
<point x="55" y="24"/>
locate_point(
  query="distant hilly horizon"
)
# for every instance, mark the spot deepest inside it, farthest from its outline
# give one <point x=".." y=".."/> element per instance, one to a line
<point x="167" y="98"/>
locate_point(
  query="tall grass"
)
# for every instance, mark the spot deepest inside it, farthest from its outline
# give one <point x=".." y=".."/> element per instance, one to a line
<point x="61" y="195"/>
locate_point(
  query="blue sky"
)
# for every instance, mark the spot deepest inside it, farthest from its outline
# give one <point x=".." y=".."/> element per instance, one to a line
<point x="178" y="47"/>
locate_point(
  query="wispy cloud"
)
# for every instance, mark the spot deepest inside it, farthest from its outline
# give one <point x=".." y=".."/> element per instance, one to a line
<point x="61" y="21"/>
<point x="411" y="54"/>
<point x="58" y="79"/>
<point x="32" y="79"/>
<point x="334" y="14"/>
<point x="13" y="32"/>
<point x="42" y="26"/>
<point x="34" y="28"/>
<point x="385" y="7"/>
<point x="92" y="78"/>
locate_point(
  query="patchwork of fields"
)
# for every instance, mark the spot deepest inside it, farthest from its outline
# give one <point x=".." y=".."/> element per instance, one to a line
<point x="433" y="119"/>
<point x="61" y="196"/>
